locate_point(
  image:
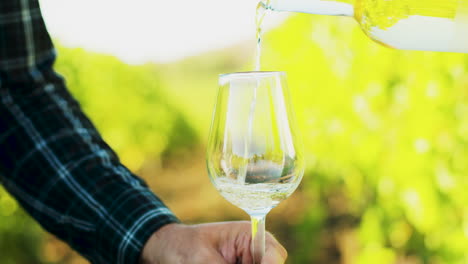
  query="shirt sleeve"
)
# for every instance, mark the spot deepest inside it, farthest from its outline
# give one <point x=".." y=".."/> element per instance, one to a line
<point x="54" y="161"/>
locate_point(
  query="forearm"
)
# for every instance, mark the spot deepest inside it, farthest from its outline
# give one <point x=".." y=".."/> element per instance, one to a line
<point x="54" y="161"/>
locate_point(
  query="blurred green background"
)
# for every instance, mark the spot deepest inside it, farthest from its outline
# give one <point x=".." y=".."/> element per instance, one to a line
<point x="385" y="131"/>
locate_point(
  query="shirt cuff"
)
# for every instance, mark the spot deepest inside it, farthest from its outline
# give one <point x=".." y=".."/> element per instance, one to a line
<point x="136" y="213"/>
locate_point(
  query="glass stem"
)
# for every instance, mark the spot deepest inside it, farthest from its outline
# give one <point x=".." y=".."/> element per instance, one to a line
<point x="258" y="238"/>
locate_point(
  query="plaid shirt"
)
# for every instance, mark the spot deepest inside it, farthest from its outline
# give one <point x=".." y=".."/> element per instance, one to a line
<point x="54" y="161"/>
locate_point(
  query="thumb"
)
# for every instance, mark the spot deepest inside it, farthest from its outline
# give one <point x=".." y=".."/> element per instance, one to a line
<point x="273" y="257"/>
<point x="275" y="253"/>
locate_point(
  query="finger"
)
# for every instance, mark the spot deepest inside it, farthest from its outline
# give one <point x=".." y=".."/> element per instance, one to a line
<point x="246" y="256"/>
<point x="209" y="256"/>
<point x="216" y="258"/>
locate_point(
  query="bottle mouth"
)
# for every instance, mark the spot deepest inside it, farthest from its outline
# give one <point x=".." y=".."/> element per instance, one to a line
<point x="269" y="4"/>
<point x="265" y="4"/>
<point x="251" y="74"/>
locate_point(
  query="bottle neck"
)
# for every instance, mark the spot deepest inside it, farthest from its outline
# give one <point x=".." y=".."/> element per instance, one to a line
<point x="320" y="7"/>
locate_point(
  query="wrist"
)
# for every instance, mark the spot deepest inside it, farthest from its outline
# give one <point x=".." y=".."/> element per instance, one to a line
<point x="156" y="244"/>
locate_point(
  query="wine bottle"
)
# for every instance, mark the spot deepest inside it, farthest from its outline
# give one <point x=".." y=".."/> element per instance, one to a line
<point x="433" y="25"/>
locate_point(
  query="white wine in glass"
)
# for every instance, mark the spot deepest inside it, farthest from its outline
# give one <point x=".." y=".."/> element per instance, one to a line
<point x="254" y="155"/>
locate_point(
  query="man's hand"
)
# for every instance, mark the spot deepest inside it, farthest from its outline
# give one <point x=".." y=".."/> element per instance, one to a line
<point x="216" y="243"/>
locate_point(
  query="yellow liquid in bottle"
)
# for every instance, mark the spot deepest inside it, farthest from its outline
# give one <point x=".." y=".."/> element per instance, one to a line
<point x="435" y="25"/>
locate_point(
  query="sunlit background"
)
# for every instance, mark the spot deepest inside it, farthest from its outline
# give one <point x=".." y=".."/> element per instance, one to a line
<point x="385" y="131"/>
<point x="151" y="30"/>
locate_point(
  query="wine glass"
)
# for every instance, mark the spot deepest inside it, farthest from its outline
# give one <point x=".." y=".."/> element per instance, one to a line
<point x="254" y="154"/>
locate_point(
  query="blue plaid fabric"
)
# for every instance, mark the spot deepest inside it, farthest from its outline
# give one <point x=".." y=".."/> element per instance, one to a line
<point x="54" y="161"/>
